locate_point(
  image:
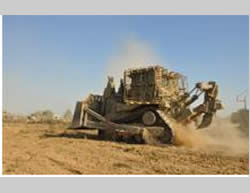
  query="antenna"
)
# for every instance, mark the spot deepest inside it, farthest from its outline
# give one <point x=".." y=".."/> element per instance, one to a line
<point x="242" y="98"/>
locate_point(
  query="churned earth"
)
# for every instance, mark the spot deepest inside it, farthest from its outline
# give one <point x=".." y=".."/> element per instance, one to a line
<point x="52" y="149"/>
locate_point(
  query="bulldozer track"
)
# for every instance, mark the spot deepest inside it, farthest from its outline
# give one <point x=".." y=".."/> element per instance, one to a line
<point x="162" y="121"/>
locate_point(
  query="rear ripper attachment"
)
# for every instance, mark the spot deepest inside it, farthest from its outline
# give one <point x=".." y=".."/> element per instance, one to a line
<point x="148" y="103"/>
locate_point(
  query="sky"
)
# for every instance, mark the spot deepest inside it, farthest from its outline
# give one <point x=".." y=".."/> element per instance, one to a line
<point x="50" y="62"/>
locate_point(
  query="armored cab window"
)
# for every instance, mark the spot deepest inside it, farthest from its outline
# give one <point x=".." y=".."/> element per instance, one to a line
<point x="143" y="78"/>
<point x="151" y="77"/>
<point x="135" y="80"/>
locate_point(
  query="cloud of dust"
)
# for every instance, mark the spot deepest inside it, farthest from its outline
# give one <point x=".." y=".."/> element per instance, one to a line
<point x="221" y="136"/>
<point x="132" y="53"/>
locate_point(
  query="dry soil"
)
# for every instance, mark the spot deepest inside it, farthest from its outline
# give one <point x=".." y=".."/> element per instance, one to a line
<point x="52" y="149"/>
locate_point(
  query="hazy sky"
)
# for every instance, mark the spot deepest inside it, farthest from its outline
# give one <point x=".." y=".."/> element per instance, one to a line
<point x="50" y="62"/>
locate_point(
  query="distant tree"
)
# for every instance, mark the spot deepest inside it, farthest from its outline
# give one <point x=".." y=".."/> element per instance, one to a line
<point x="37" y="114"/>
<point x="43" y="115"/>
<point x="68" y="115"/>
<point x="47" y="115"/>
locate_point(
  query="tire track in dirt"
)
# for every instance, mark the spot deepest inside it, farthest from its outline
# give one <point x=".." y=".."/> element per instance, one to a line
<point x="64" y="166"/>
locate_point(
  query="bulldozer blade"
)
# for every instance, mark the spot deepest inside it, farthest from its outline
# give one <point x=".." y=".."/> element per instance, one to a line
<point x="206" y="121"/>
<point x="78" y="116"/>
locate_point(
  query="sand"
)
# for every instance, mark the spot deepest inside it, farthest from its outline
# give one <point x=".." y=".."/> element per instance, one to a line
<point x="52" y="149"/>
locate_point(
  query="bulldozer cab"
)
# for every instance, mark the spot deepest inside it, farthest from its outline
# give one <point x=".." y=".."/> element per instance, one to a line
<point x="152" y="84"/>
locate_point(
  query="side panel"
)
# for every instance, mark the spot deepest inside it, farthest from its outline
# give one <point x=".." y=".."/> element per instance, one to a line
<point x="139" y="85"/>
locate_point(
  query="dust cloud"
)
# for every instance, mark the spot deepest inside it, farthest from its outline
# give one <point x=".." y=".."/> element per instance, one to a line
<point x="132" y="53"/>
<point x="222" y="136"/>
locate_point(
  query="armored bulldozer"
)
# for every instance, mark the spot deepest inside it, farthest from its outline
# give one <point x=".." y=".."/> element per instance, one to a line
<point x="150" y="100"/>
